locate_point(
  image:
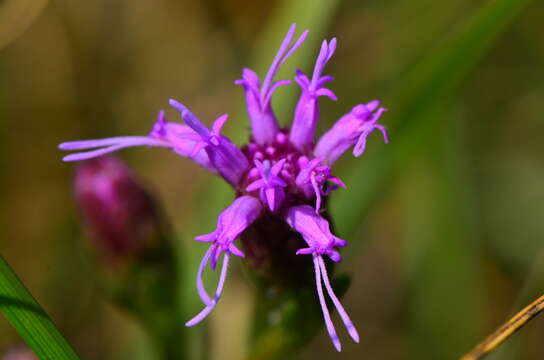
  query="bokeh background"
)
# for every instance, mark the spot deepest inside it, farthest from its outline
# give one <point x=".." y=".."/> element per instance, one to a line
<point x="445" y="223"/>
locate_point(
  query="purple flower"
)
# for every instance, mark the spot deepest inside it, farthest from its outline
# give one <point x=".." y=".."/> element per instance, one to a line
<point x="280" y="177"/>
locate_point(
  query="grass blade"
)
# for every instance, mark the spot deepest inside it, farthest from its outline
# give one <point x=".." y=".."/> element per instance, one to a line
<point x="29" y="319"/>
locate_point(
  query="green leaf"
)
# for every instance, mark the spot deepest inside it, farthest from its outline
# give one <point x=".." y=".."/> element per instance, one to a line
<point x="29" y="319"/>
<point x="414" y="110"/>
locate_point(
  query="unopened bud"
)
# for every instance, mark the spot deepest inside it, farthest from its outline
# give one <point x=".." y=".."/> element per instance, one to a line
<point x="20" y="352"/>
<point x="120" y="216"/>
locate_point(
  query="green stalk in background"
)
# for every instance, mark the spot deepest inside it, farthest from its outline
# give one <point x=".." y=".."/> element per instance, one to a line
<point x="29" y="319"/>
<point x="442" y="274"/>
<point x="413" y="109"/>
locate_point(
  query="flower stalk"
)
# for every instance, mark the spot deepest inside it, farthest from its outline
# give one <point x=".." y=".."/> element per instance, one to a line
<point x="508" y="329"/>
<point x="135" y="263"/>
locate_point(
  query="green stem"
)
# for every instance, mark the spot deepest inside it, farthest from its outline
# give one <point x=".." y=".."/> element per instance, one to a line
<point x="29" y="319"/>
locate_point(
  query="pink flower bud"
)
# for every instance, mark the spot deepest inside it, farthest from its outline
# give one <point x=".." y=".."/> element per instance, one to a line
<point x="120" y="216"/>
<point x="19" y="352"/>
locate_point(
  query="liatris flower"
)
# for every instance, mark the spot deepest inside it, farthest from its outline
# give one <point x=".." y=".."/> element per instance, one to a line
<point x="281" y="174"/>
<point x="120" y="216"/>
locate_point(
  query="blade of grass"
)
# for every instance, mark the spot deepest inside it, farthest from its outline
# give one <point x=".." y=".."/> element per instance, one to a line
<point x="508" y="329"/>
<point x="413" y="112"/>
<point x="29" y="319"/>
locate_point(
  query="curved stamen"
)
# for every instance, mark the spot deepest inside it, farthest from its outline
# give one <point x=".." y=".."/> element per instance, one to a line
<point x="317" y="191"/>
<point x="104" y="149"/>
<point x="199" y="283"/>
<point x="326" y="315"/>
<point x="91" y="144"/>
<point x="325" y="54"/>
<point x="341" y="311"/>
<point x="307" y="109"/>
<point x="219" y="290"/>
<point x="283" y="53"/>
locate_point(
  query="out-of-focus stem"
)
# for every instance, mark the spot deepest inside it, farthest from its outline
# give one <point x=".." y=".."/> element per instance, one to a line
<point x="506" y="330"/>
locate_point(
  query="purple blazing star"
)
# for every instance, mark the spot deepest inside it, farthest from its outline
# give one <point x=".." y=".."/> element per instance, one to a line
<point x="282" y="173"/>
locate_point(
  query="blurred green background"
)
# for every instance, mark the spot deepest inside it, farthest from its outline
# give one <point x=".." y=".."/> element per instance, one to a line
<point x="444" y="223"/>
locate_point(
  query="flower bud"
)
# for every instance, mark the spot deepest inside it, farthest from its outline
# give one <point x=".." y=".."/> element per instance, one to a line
<point x="19" y="352"/>
<point x="120" y="216"/>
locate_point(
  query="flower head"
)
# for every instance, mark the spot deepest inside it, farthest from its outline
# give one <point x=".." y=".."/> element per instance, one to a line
<point x="280" y="177"/>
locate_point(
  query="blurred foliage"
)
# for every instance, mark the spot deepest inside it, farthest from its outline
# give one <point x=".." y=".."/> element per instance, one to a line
<point x="443" y="222"/>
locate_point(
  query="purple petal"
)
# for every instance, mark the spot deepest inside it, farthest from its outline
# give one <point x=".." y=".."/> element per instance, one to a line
<point x="264" y="125"/>
<point x="218" y="124"/>
<point x="269" y="183"/>
<point x="317" y="191"/>
<point x="284" y="52"/>
<point x="325" y="54"/>
<point x="274" y="87"/>
<point x="235" y="251"/>
<point x="229" y="161"/>
<point x="350" y="130"/>
<point x="206" y="238"/>
<point x="295" y="46"/>
<point x="225" y="157"/>
<point x="191" y="119"/>
<point x="314" y="229"/>
<point x="235" y="219"/>
<point x="90" y="144"/>
<point x="180" y="138"/>
<point x="200" y="316"/>
<point x="305" y="251"/>
<point x="307" y="109"/>
<point x="256" y="185"/>
<point x="326" y="92"/>
<point x="276" y="168"/>
<point x="121" y="143"/>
